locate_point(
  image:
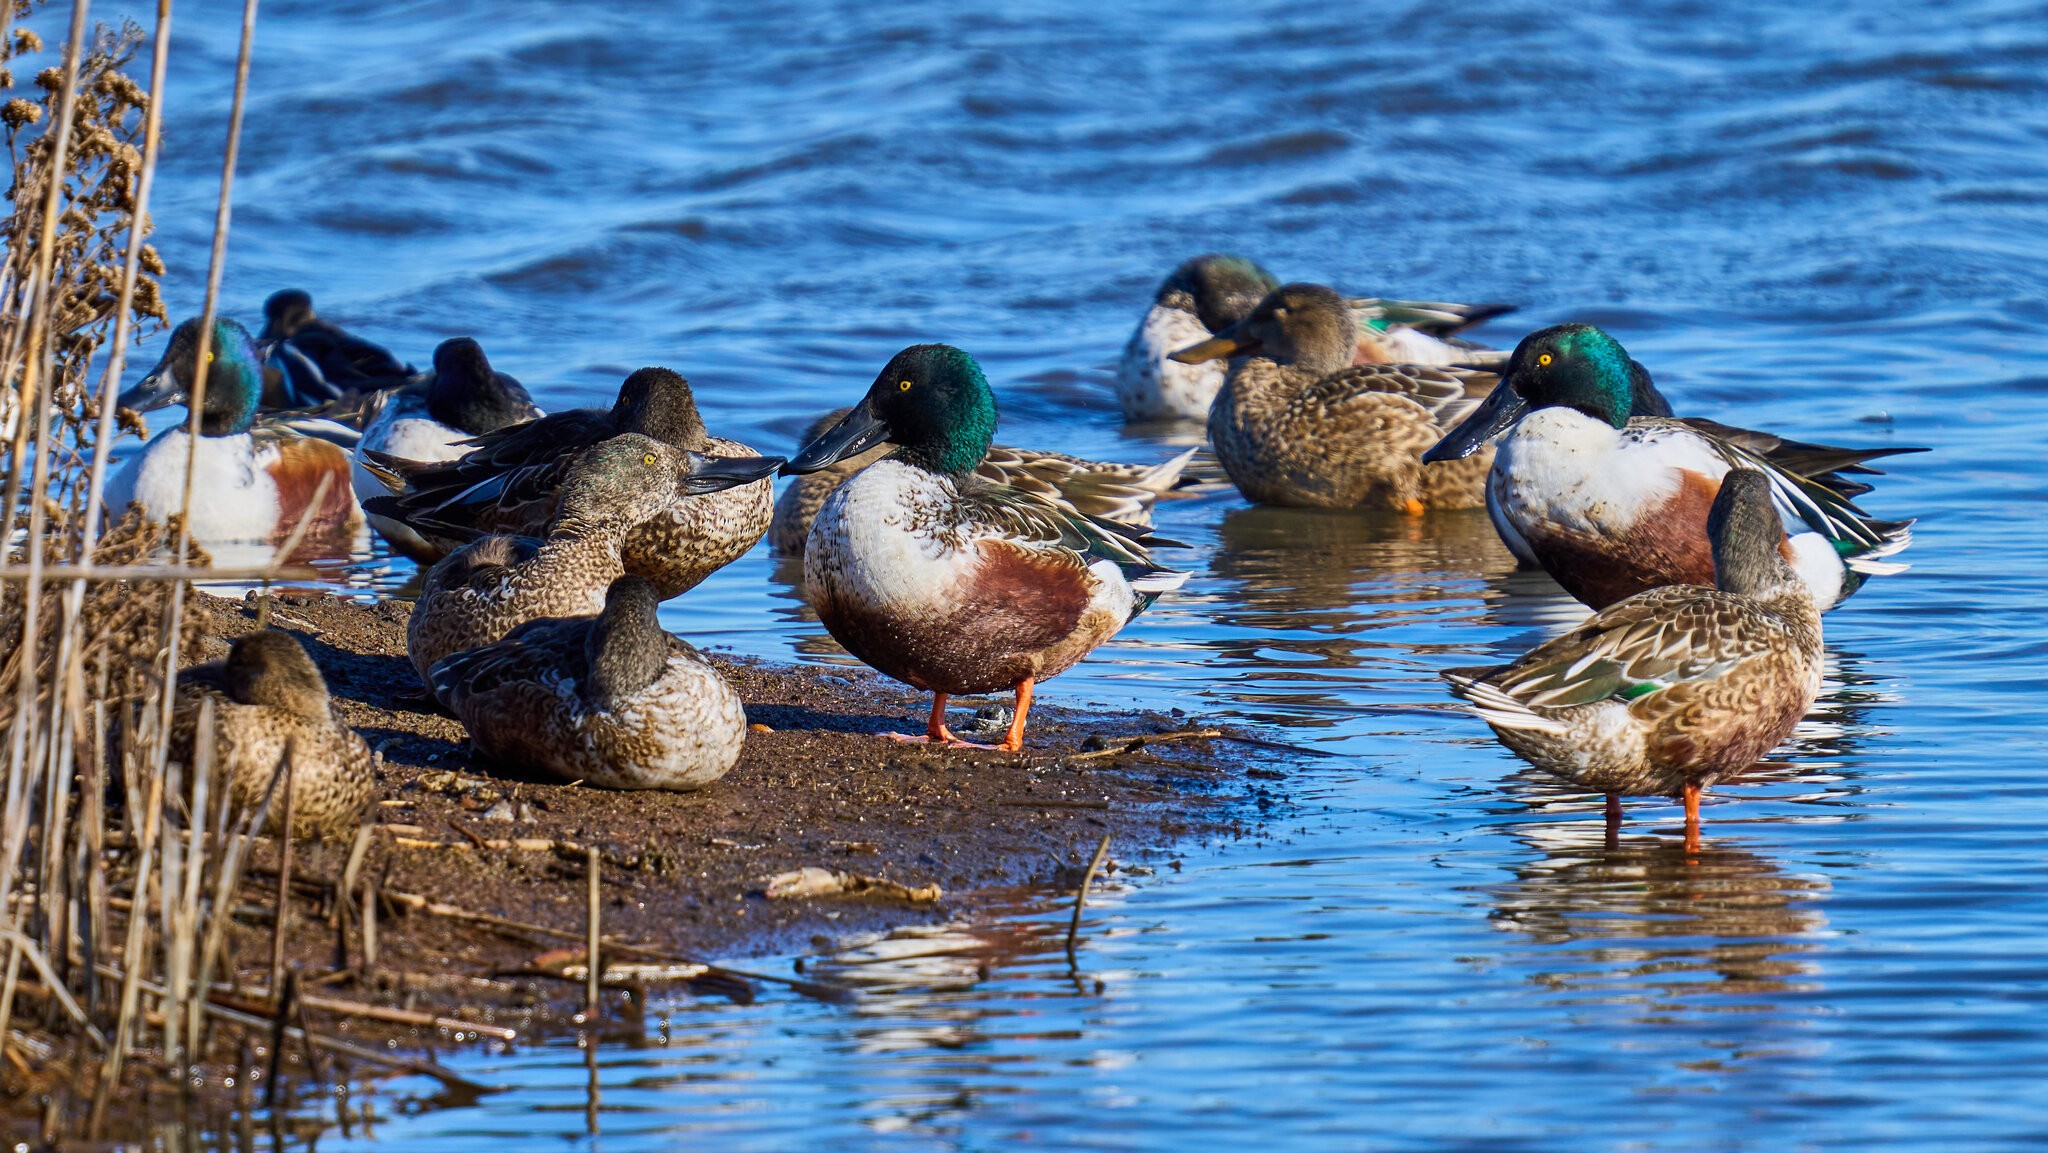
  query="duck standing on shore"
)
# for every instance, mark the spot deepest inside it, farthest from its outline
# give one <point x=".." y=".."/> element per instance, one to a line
<point x="510" y="482"/>
<point x="1120" y="492"/>
<point x="1298" y="424"/>
<point x="271" y="703"/>
<point x="430" y="420"/>
<point x="253" y="480"/>
<point x="1675" y="689"/>
<point x="1612" y="504"/>
<point x="1211" y="292"/>
<point x="484" y="590"/>
<point x="944" y="581"/>
<point x="611" y="700"/>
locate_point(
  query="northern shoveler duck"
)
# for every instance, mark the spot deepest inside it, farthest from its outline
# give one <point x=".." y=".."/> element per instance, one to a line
<point x="1675" y="689"/>
<point x="508" y="483"/>
<point x="1120" y="492"/>
<point x="253" y="480"/>
<point x="1612" y="504"/>
<point x="270" y="703"/>
<point x="314" y="360"/>
<point x="487" y="588"/>
<point x="611" y="700"/>
<point x="430" y="420"/>
<point x="943" y="580"/>
<point x="1213" y="291"/>
<point x="1298" y="424"/>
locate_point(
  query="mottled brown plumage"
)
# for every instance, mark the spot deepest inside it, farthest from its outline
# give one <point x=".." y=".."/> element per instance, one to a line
<point x="612" y="700"/>
<point x="1297" y="423"/>
<point x="269" y="698"/>
<point x="1675" y="689"/>
<point x="510" y="483"/>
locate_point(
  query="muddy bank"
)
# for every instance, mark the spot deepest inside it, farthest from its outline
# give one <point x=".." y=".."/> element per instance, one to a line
<point x="464" y="853"/>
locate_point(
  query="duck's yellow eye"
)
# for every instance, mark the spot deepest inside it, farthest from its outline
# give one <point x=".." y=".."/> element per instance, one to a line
<point x="648" y="459"/>
<point x="902" y="386"/>
<point x="209" y="358"/>
<point x="1544" y="360"/>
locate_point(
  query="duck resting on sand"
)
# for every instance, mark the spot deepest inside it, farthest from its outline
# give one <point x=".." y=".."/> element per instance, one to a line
<point x="1672" y="690"/>
<point x="270" y="702"/>
<point x="611" y="700"/>
<point x="943" y="580"/>
<point x="1611" y="504"/>
<point x="1298" y="424"/>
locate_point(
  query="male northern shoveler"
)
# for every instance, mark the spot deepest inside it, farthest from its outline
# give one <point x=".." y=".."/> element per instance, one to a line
<point x="1211" y="292"/>
<point x="430" y="419"/>
<point x="480" y="592"/>
<point x="315" y="360"/>
<point x="1675" y="689"/>
<point x="270" y="706"/>
<point x="508" y="484"/>
<point x="611" y="700"/>
<point x="1298" y="424"/>
<point x="253" y="480"/>
<point x="1120" y="492"/>
<point x="1612" y="504"/>
<point x="945" y="581"/>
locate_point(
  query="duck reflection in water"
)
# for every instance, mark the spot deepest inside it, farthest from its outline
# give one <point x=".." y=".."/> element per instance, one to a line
<point x="1644" y="918"/>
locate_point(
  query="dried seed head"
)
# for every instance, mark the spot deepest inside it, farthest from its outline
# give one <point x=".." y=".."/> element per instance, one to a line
<point x="27" y="41"/>
<point x="18" y="112"/>
<point x="151" y="261"/>
<point x="50" y="79"/>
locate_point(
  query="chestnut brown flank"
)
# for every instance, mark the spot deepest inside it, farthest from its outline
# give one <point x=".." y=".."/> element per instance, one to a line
<point x="301" y="462"/>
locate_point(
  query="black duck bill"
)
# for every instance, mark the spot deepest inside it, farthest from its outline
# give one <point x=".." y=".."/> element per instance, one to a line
<point x="159" y="389"/>
<point x="856" y="432"/>
<point x="709" y="474"/>
<point x="1232" y="341"/>
<point x="1495" y="415"/>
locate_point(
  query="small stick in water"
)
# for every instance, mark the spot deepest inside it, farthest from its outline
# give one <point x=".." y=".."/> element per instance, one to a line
<point x="1081" y="898"/>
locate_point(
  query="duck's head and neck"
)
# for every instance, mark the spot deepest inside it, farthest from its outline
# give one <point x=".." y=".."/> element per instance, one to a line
<point x="234" y="378"/>
<point x="1574" y="366"/>
<point x="269" y="669"/>
<point x="631" y="479"/>
<point x="1745" y="530"/>
<point x="658" y="403"/>
<point x="467" y="394"/>
<point x="627" y="648"/>
<point x="1306" y="326"/>
<point x="1220" y="289"/>
<point x="285" y="313"/>
<point x="932" y="402"/>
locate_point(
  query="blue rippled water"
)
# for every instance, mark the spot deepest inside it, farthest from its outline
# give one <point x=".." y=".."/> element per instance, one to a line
<point x="1826" y="222"/>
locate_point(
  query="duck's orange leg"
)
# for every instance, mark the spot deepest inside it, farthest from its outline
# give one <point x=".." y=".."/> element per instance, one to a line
<point x="936" y="731"/>
<point x="1014" y="741"/>
<point x="1691" y="797"/>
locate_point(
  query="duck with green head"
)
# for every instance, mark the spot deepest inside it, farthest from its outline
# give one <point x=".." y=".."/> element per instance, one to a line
<point x="1298" y="424"/>
<point x="1674" y="689"/>
<point x="253" y="480"/>
<point x="1612" y="504"/>
<point x="1211" y="292"/>
<point x="943" y="580"/>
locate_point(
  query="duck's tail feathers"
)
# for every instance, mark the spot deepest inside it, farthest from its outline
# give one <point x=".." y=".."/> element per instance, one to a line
<point x="1435" y="317"/>
<point x="1497" y="708"/>
<point x="1161" y="580"/>
<point x="1166" y="476"/>
<point x="1894" y="537"/>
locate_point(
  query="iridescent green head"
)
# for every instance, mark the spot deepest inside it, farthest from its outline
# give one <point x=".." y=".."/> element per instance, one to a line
<point x="234" y="378"/>
<point x="1575" y="366"/>
<point x="932" y="402"/>
<point x="1220" y="289"/>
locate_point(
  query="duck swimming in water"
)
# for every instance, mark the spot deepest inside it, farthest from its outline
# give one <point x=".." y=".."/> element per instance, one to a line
<point x="943" y="580"/>
<point x="315" y="360"/>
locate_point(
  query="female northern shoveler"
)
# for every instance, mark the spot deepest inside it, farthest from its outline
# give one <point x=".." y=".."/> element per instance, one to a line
<point x="1211" y="292"/>
<point x="487" y="588"/>
<point x="945" y="581"/>
<point x="1612" y="505"/>
<point x="270" y="704"/>
<point x="1298" y="424"/>
<point x="1120" y="492"/>
<point x="316" y="360"/>
<point x="253" y="481"/>
<point x="1674" y="689"/>
<point x="430" y="419"/>
<point x="509" y="483"/>
<point x="611" y="700"/>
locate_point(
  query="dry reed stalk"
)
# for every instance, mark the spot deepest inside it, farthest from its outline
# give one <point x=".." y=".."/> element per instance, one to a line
<point x="592" y="936"/>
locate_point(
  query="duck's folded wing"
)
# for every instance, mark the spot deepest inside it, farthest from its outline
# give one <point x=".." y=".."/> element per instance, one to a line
<point x="1661" y="638"/>
<point x="531" y="652"/>
<point x="1435" y="317"/>
<point x="1828" y="464"/>
<point x="1025" y="518"/>
<point x="1449" y="392"/>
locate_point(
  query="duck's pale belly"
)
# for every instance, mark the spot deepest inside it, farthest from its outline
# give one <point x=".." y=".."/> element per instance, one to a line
<point x="1151" y="387"/>
<point x="234" y="496"/>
